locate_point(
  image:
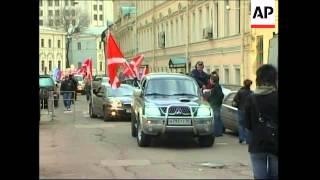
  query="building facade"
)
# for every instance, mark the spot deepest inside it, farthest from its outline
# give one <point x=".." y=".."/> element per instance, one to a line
<point x="183" y="32"/>
<point x="98" y="12"/>
<point x="88" y="44"/>
<point x="52" y="52"/>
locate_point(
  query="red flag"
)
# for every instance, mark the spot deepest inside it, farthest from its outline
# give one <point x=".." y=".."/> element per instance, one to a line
<point x="145" y="72"/>
<point x="87" y="68"/>
<point x="132" y="69"/>
<point x="115" y="61"/>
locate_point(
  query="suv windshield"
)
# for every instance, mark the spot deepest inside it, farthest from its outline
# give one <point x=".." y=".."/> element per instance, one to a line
<point x="46" y="81"/>
<point x="78" y="78"/>
<point x="171" y="87"/>
<point x="119" y="92"/>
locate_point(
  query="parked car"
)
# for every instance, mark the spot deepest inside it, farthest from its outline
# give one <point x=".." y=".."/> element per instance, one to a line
<point x="46" y="85"/>
<point x="170" y="103"/>
<point x="105" y="81"/>
<point x="111" y="103"/>
<point x="229" y="113"/>
<point x="81" y="84"/>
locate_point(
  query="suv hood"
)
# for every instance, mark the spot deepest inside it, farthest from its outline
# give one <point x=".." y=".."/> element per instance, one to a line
<point x="170" y="100"/>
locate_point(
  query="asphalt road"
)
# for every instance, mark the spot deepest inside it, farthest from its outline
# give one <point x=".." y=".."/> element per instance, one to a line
<point x="73" y="145"/>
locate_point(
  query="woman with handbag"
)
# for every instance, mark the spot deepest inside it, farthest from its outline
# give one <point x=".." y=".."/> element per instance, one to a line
<point x="261" y="119"/>
<point x="239" y="101"/>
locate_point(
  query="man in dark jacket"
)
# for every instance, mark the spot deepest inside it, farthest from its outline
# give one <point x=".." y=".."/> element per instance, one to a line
<point x="199" y="75"/>
<point x="66" y="89"/>
<point x="261" y="119"/>
<point x="239" y="102"/>
<point x="75" y="86"/>
<point x="215" y="100"/>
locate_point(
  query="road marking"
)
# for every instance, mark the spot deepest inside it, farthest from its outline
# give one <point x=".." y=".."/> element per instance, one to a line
<point x="125" y="162"/>
<point x="94" y="126"/>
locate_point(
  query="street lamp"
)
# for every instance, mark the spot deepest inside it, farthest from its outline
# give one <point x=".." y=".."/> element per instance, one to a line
<point x="242" y="29"/>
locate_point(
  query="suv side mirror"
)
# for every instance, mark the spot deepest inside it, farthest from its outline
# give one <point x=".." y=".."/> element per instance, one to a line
<point x="100" y="94"/>
<point x="137" y="92"/>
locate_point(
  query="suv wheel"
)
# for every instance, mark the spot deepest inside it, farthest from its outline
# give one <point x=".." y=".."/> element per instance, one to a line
<point x="92" y="115"/>
<point x="206" y="141"/>
<point x="142" y="139"/>
<point x="133" y="125"/>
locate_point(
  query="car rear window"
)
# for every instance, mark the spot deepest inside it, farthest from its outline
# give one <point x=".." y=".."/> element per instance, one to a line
<point x="78" y="78"/>
<point x="46" y="82"/>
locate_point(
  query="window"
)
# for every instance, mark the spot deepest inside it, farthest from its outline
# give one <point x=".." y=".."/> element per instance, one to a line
<point x="216" y="21"/>
<point x="50" y="22"/>
<point x="41" y="13"/>
<point x="57" y="12"/>
<point x="67" y="13"/>
<point x="182" y="30"/>
<point x="50" y="65"/>
<point x="41" y="22"/>
<point x="59" y="43"/>
<point x="177" y="32"/>
<point x="237" y="76"/>
<point x="42" y="42"/>
<point x="229" y="99"/>
<point x="217" y="71"/>
<point x="67" y="22"/>
<point x="73" y="22"/>
<point x="200" y="25"/>
<point x="100" y="7"/>
<point x="101" y="17"/>
<point x="79" y="46"/>
<point x="226" y="76"/>
<point x="56" y="2"/>
<point x="95" y="17"/>
<point x="42" y="66"/>
<point x="73" y="12"/>
<point x="238" y="17"/>
<point x="72" y="2"/>
<point x="226" y="19"/>
<point x="100" y="45"/>
<point x="66" y="2"/>
<point x="57" y="22"/>
<point x="95" y="7"/>
<point x="193" y="26"/>
<point x="259" y="51"/>
<point x="50" y="12"/>
<point x="49" y="43"/>
<point x="100" y="66"/>
<point x="59" y="64"/>
<point x="207" y="16"/>
<point x="49" y="2"/>
<point x="40" y="2"/>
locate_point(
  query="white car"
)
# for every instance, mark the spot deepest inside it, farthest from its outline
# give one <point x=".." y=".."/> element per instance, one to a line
<point x="81" y="83"/>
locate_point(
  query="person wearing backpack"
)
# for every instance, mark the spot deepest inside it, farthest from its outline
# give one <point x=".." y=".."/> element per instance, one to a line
<point x="261" y="119"/>
<point x="239" y="102"/>
<point x="215" y="100"/>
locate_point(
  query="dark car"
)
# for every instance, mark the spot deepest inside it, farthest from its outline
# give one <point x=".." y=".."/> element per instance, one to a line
<point x="47" y="85"/>
<point x="229" y="113"/>
<point x="112" y="103"/>
<point x="170" y="103"/>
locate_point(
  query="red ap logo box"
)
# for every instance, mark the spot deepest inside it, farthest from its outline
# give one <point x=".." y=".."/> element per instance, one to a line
<point x="262" y="13"/>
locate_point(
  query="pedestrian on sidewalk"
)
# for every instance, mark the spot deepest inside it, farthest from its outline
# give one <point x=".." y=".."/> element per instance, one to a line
<point x="261" y="119"/>
<point x="75" y="86"/>
<point x="215" y="100"/>
<point x="67" y="90"/>
<point x="87" y="88"/>
<point x="239" y="102"/>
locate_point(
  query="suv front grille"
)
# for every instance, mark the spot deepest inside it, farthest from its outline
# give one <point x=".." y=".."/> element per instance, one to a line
<point x="178" y="111"/>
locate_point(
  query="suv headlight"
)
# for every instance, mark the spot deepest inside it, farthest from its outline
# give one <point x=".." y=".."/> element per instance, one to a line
<point x="204" y="111"/>
<point x="152" y="111"/>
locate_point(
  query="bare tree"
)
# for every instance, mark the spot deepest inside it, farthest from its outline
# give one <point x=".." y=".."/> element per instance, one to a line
<point x="68" y="17"/>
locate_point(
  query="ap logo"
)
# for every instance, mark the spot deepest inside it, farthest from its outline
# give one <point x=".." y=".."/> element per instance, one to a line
<point x="262" y="13"/>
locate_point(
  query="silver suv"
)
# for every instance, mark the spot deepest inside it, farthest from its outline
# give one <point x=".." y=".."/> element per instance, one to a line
<point x="168" y="103"/>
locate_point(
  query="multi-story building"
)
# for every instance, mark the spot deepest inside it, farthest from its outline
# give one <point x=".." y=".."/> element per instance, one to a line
<point x="179" y="33"/>
<point x="52" y="12"/>
<point x="52" y="50"/>
<point x="88" y="44"/>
